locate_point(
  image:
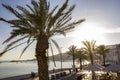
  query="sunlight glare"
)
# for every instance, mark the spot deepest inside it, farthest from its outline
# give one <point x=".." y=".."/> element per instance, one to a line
<point x="89" y="31"/>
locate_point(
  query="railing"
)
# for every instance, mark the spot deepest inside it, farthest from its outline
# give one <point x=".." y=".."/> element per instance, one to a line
<point x="64" y="76"/>
<point x="69" y="77"/>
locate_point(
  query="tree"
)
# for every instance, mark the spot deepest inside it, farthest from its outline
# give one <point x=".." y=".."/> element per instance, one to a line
<point x="38" y="24"/>
<point x="72" y="51"/>
<point x="81" y="55"/>
<point x="102" y="50"/>
<point x="90" y="50"/>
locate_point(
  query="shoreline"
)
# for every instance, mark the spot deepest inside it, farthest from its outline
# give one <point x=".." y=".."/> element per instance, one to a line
<point x="27" y="76"/>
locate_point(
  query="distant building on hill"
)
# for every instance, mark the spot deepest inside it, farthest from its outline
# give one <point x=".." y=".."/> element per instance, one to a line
<point x="114" y="54"/>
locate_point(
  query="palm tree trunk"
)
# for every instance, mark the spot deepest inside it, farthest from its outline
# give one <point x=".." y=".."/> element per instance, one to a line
<point x="91" y="57"/>
<point x="118" y="75"/>
<point x="92" y="62"/>
<point x="61" y="61"/>
<point x="73" y="59"/>
<point x="80" y="63"/>
<point x="104" y="60"/>
<point x="73" y="66"/>
<point x="41" y="46"/>
<point x="93" y="75"/>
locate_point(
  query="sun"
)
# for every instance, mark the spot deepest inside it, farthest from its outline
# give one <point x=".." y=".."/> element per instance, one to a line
<point x="89" y="31"/>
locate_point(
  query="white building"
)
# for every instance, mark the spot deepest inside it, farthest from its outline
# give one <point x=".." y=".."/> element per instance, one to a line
<point x="114" y="54"/>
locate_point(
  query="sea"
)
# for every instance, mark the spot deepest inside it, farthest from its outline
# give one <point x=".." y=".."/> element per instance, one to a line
<point x="9" y="69"/>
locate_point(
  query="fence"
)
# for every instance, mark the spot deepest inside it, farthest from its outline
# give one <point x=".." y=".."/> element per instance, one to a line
<point x="64" y="76"/>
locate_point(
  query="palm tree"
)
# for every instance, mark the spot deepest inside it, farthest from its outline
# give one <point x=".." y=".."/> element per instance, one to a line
<point x="81" y="55"/>
<point x="102" y="50"/>
<point x="72" y="52"/>
<point x="90" y="50"/>
<point x="38" y="24"/>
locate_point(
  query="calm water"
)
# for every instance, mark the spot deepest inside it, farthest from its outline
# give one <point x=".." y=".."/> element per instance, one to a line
<point x="14" y="69"/>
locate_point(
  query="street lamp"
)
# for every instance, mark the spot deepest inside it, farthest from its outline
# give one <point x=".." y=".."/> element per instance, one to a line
<point x="61" y="58"/>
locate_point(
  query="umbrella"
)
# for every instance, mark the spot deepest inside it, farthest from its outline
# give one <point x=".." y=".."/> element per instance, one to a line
<point x="95" y="67"/>
<point x="113" y="67"/>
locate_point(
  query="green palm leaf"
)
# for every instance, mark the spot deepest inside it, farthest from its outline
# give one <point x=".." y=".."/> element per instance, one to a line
<point x="16" y="13"/>
<point x="53" y="55"/>
<point x="14" y="42"/>
<point x="56" y="45"/>
<point x="12" y="48"/>
<point x="25" y="48"/>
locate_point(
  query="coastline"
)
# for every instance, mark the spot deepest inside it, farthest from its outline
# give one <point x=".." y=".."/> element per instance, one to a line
<point x="28" y="76"/>
<point x="19" y="77"/>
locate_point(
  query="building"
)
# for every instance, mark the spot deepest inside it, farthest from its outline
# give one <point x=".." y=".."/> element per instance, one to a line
<point x="114" y="54"/>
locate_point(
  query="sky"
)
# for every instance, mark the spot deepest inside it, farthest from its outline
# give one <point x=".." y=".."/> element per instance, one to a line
<point x="102" y="24"/>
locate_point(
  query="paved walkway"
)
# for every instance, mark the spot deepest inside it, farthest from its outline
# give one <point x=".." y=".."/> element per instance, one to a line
<point x="57" y="72"/>
<point x="27" y="76"/>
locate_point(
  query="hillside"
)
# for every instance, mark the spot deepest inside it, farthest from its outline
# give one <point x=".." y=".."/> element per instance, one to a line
<point x="65" y="57"/>
<point x="57" y="57"/>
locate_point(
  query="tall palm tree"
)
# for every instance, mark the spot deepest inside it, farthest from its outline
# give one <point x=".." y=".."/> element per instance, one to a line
<point x="38" y="24"/>
<point x="81" y="55"/>
<point x="90" y="49"/>
<point x="102" y="50"/>
<point x="72" y="52"/>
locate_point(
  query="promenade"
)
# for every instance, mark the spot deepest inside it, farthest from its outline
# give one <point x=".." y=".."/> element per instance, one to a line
<point x="28" y="76"/>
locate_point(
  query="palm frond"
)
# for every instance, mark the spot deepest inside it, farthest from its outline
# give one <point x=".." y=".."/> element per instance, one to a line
<point x="43" y="13"/>
<point x="93" y="44"/>
<point x="2" y="19"/>
<point x="72" y="50"/>
<point x="29" y="38"/>
<point x="31" y="9"/>
<point x="25" y="48"/>
<point x="71" y="25"/>
<point x="65" y="17"/>
<point x="75" y="23"/>
<point x="16" y="13"/>
<point x="59" y="13"/>
<point x="14" y="42"/>
<point x="20" y="24"/>
<point x="52" y="55"/>
<point x="25" y="11"/>
<point x="49" y="18"/>
<point x="56" y="45"/>
<point x="11" y="48"/>
<point x="10" y="38"/>
<point x="59" y="32"/>
<point x="35" y="6"/>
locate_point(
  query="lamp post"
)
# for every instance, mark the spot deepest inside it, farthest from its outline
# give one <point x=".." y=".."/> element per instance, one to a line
<point x="61" y="58"/>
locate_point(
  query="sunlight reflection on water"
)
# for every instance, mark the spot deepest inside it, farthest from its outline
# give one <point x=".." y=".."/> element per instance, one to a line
<point x="13" y="69"/>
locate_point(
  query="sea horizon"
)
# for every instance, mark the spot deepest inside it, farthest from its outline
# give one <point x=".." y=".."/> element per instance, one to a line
<point x="10" y="69"/>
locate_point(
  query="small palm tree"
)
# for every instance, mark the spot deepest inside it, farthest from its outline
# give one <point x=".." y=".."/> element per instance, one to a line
<point x="81" y="55"/>
<point x="102" y="50"/>
<point x="72" y="52"/>
<point x="38" y="23"/>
